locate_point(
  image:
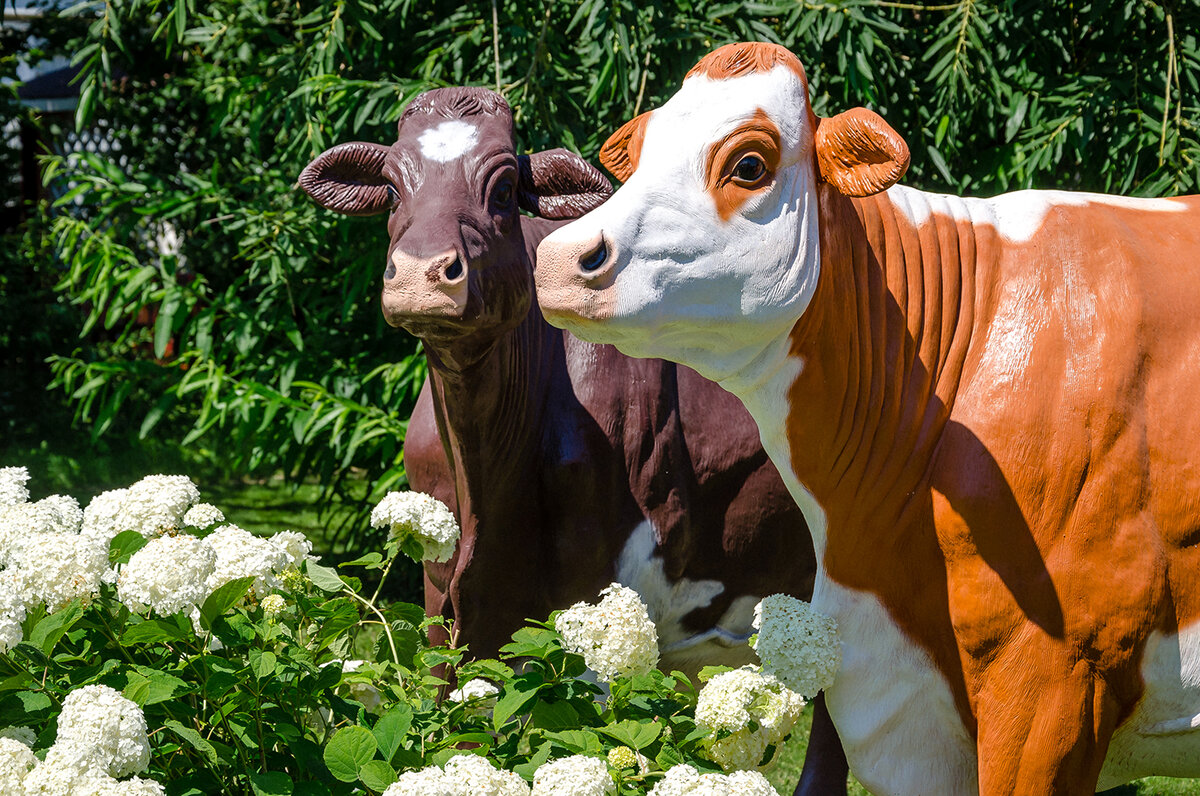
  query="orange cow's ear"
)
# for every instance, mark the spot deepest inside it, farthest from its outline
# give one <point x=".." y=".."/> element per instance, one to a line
<point x="623" y="148"/>
<point x="858" y="153"/>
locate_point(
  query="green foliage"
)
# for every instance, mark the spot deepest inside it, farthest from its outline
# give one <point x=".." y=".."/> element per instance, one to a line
<point x="245" y="699"/>
<point x="220" y="307"/>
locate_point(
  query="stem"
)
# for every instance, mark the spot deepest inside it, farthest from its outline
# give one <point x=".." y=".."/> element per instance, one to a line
<point x="496" y="43"/>
<point x="387" y="629"/>
<point x="1172" y="69"/>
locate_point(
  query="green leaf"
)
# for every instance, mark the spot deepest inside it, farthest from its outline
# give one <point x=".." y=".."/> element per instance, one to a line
<point x="195" y="740"/>
<point x="262" y="663"/>
<point x="370" y="560"/>
<point x="516" y="697"/>
<point x="348" y="751"/>
<point x="52" y="628"/>
<point x="634" y="734"/>
<point x="153" y="631"/>
<point x="273" y="783"/>
<point x="377" y="775"/>
<point x="222" y="600"/>
<point x="555" y="715"/>
<point x="391" y="728"/>
<point x="323" y="578"/>
<point x="124" y="545"/>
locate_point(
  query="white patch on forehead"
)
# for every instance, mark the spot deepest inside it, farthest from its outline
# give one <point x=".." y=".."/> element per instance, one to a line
<point x="448" y="141"/>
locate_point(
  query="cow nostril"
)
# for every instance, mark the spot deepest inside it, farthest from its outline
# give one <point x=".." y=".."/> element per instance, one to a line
<point x="595" y="258"/>
<point x="454" y="270"/>
<point x="390" y="271"/>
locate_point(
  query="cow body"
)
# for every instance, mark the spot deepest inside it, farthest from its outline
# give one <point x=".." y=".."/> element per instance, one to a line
<point x="983" y="406"/>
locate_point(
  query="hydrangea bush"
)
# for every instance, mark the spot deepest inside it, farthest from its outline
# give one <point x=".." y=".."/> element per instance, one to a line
<point x="149" y="647"/>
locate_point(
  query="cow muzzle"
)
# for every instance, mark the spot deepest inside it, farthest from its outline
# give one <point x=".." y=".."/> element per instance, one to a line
<point x="416" y="288"/>
<point x="575" y="279"/>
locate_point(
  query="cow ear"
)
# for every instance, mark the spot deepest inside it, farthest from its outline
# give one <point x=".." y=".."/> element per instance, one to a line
<point x="858" y="153"/>
<point x="559" y="184"/>
<point x="349" y="179"/>
<point x="623" y="149"/>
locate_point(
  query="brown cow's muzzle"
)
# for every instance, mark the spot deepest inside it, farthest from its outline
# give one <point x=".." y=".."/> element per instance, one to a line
<point x="416" y="288"/>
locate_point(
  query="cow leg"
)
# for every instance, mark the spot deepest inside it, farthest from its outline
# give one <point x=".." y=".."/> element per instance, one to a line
<point x="1037" y="737"/>
<point x="825" y="767"/>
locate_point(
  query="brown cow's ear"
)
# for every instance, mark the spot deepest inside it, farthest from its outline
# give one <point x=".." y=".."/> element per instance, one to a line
<point x="623" y="149"/>
<point x="858" y="153"/>
<point x="349" y="179"/>
<point x="559" y="184"/>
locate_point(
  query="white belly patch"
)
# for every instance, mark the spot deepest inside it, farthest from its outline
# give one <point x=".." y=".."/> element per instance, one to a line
<point x="668" y="602"/>
<point x="1163" y="735"/>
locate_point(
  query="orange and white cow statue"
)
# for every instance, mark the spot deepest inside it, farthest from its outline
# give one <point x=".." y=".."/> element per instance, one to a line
<point x="988" y="410"/>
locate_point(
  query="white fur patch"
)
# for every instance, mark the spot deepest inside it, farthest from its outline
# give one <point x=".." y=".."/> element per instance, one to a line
<point x="669" y="602"/>
<point x="1163" y="735"/>
<point x="448" y="141"/>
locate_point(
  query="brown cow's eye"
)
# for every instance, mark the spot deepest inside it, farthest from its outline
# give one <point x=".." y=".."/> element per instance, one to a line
<point x="749" y="170"/>
<point x="393" y="194"/>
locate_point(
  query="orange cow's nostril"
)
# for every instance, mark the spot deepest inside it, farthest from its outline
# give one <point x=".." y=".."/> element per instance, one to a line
<point x="595" y="257"/>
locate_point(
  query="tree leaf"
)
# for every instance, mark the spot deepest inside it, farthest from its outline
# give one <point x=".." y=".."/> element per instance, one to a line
<point x="222" y="600"/>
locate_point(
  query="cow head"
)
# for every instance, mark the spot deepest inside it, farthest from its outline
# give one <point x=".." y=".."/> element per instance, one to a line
<point x="711" y="247"/>
<point x="453" y="185"/>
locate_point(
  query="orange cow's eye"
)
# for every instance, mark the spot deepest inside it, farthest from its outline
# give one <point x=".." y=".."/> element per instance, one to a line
<point x="749" y="170"/>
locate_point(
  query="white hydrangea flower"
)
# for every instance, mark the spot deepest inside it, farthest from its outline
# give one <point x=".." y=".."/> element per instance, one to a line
<point x="128" y="787"/>
<point x="684" y="780"/>
<point x="25" y="735"/>
<point x="98" y="722"/>
<point x="577" y="775"/>
<point x="57" y="513"/>
<point x="55" y="568"/>
<point x="66" y="772"/>
<point x="12" y="485"/>
<point x="295" y="545"/>
<point x="732" y="700"/>
<point x="624" y="757"/>
<point x="16" y="761"/>
<point x="429" y="781"/>
<point x="615" y="638"/>
<point x="474" y="691"/>
<point x="273" y="605"/>
<point x="12" y="611"/>
<point x="241" y="554"/>
<point x="155" y="504"/>
<point x="472" y="775"/>
<point x="421" y="517"/>
<point x="203" y="515"/>
<point x="168" y="575"/>
<point x="797" y="644"/>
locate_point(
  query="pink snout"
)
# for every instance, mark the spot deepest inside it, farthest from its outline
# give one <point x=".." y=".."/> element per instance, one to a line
<point x="574" y="279"/>
<point x="418" y="288"/>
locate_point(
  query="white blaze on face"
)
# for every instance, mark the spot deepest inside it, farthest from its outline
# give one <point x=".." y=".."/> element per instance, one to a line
<point x="448" y="141"/>
<point x="690" y="285"/>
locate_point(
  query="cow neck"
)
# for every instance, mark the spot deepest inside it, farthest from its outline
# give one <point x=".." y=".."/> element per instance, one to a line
<point x="486" y="409"/>
<point x="883" y="346"/>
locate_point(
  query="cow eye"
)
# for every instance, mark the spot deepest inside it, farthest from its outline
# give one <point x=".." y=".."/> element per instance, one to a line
<point x="393" y="194"/>
<point x="749" y="170"/>
<point x="502" y="195"/>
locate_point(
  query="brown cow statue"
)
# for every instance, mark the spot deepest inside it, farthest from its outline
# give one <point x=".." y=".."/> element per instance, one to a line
<point x="986" y="408"/>
<point x="568" y="464"/>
